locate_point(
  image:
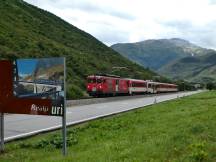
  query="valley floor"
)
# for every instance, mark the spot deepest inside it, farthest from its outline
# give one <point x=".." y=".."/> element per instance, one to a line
<point x="177" y="130"/>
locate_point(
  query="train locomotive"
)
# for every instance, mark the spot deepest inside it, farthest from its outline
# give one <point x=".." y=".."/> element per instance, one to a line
<point x="112" y="85"/>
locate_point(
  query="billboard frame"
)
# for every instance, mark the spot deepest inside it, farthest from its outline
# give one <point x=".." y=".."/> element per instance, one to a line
<point x="64" y="121"/>
<point x="64" y="126"/>
<point x="2" y="131"/>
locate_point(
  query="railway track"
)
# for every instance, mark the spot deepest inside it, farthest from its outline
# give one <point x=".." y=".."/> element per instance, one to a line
<point x="88" y="101"/>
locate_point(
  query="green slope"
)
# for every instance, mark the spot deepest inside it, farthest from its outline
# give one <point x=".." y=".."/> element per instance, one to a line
<point x="196" y="69"/>
<point x="157" y="53"/>
<point x="29" y="32"/>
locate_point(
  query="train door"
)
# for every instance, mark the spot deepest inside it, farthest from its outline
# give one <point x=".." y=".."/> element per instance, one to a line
<point x="109" y="86"/>
<point x="155" y="86"/>
<point x="129" y="87"/>
<point x="117" y="86"/>
<point x="149" y="88"/>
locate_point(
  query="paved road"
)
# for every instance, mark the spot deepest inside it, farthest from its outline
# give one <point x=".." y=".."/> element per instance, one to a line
<point x="17" y="126"/>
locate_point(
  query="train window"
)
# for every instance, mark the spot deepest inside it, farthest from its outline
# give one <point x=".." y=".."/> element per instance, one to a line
<point x="128" y="83"/>
<point x="99" y="80"/>
<point x="91" y="80"/>
<point x="134" y="84"/>
<point x="117" y="81"/>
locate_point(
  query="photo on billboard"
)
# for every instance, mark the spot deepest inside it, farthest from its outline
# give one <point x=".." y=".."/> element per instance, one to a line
<point x="41" y="78"/>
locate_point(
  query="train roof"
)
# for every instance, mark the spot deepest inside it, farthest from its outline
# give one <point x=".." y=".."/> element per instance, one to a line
<point x="138" y="80"/>
<point x="161" y="83"/>
<point x="115" y="76"/>
<point x="169" y="84"/>
<point x="100" y="76"/>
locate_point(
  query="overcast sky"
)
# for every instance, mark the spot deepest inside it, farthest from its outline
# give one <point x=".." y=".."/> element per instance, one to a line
<point x="114" y="21"/>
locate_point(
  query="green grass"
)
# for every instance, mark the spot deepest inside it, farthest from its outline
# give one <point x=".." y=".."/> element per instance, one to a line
<point x="175" y="131"/>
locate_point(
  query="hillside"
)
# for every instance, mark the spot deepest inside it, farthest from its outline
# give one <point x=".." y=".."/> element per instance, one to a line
<point x="157" y="53"/>
<point x="197" y="69"/>
<point x="29" y="32"/>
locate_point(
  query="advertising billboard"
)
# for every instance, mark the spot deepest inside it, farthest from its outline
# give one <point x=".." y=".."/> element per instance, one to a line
<point x="33" y="86"/>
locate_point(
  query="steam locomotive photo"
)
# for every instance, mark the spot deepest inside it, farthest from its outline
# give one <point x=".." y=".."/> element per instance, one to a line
<point x="111" y="85"/>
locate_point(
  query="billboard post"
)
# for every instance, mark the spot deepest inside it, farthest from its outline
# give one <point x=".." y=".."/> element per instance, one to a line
<point x="64" y="126"/>
<point x="2" y="131"/>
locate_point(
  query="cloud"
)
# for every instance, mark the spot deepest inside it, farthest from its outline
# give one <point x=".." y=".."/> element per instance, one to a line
<point x="212" y="2"/>
<point x="203" y="35"/>
<point x="117" y="21"/>
<point x="82" y="5"/>
<point x="107" y="35"/>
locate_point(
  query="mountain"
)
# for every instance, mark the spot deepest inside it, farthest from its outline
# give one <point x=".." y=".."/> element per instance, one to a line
<point x="51" y="69"/>
<point x="196" y="68"/>
<point x="29" y="32"/>
<point x="157" y="53"/>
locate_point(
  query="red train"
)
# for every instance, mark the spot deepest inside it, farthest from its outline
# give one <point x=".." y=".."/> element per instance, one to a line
<point x="101" y="85"/>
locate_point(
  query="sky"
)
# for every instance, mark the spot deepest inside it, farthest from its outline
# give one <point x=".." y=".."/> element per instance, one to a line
<point x="26" y="66"/>
<point x="127" y="21"/>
